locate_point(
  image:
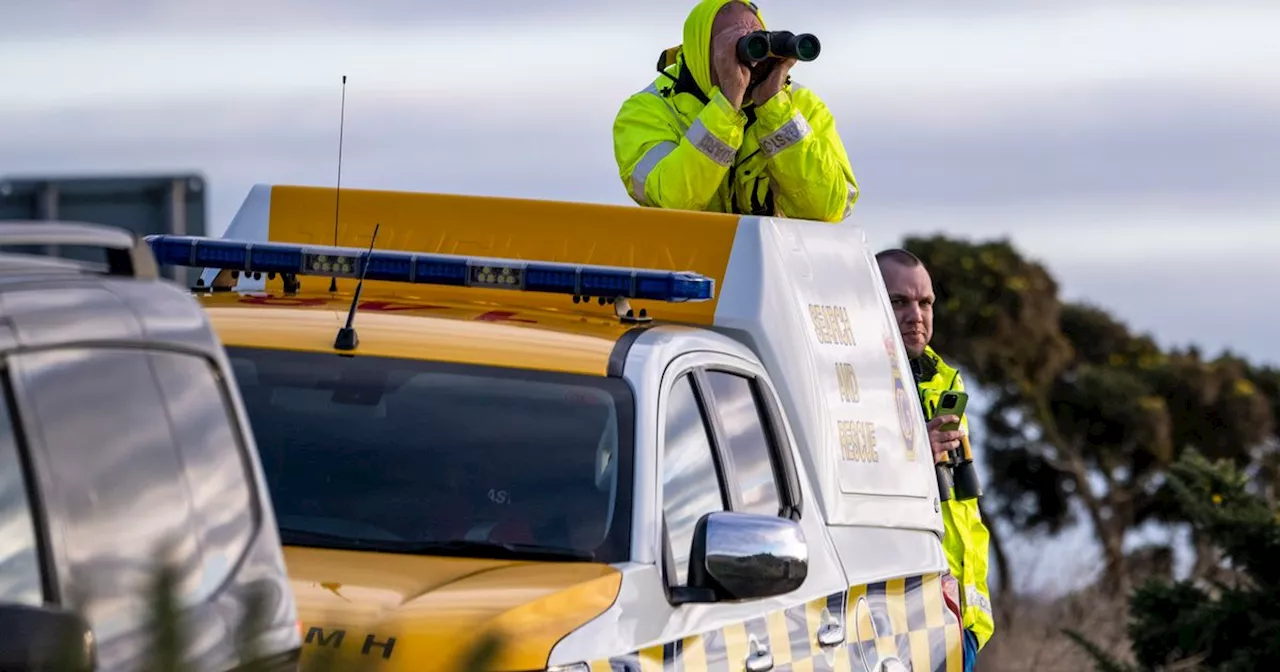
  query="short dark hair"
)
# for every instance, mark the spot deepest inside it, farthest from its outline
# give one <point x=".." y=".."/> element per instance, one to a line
<point x="899" y="255"/>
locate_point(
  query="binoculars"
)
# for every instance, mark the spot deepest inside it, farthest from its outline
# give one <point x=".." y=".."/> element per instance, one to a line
<point x="958" y="471"/>
<point x="763" y="44"/>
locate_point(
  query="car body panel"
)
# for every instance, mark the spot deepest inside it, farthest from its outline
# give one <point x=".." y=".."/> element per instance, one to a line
<point x="424" y="612"/>
<point x="414" y="328"/>
<point x="61" y="330"/>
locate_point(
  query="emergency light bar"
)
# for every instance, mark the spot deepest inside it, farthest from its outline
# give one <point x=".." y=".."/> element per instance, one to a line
<point x="432" y="269"/>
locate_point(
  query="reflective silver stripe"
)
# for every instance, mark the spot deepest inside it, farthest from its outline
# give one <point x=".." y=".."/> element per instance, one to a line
<point x="853" y="196"/>
<point x="973" y="598"/>
<point x="641" y="172"/>
<point x="791" y="132"/>
<point x="714" y="148"/>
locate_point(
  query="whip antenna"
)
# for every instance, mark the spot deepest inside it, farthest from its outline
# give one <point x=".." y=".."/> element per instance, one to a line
<point x="337" y="196"/>
<point x="347" y="339"/>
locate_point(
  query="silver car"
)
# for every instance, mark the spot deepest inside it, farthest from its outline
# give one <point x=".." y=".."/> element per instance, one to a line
<point x="126" y="455"/>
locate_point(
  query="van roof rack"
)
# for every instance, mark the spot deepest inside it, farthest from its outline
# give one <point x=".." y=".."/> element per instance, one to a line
<point x="126" y="254"/>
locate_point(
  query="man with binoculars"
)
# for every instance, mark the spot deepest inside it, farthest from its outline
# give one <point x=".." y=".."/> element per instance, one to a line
<point x="942" y="395"/>
<point x="723" y="129"/>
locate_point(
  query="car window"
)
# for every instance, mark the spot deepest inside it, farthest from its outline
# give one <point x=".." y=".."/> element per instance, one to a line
<point x="214" y="461"/>
<point x="20" y="574"/>
<point x="748" y="443"/>
<point x="395" y="454"/>
<point x="115" y="476"/>
<point x="690" y="483"/>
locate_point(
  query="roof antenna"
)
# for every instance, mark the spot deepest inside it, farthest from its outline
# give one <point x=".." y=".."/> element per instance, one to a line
<point x="347" y="339"/>
<point x="337" y="196"/>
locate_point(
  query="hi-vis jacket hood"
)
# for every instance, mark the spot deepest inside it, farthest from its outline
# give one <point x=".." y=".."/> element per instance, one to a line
<point x="681" y="143"/>
<point x="697" y="38"/>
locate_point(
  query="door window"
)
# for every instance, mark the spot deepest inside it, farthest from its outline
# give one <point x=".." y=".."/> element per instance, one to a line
<point x="20" y="576"/>
<point x="142" y="464"/>
<point x="690" y="481"/>
<point x="742" y="421"/>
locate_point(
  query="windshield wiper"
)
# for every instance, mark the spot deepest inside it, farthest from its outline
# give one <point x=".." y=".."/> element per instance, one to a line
<point x="494" y="549"/>
<point x="293" y="536"/>
<point x="459" y="547"/>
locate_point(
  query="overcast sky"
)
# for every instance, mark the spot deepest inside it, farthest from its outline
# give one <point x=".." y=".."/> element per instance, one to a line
<point x="1133" y="147"/>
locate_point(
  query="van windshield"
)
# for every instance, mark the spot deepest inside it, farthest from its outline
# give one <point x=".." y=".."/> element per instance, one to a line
<point x="403" y="455"/>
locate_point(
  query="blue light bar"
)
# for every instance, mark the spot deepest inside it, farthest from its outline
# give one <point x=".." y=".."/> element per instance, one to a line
<point x="432" y="269"/>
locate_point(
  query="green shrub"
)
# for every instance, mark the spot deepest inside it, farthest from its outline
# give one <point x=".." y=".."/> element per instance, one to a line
<point x="1225" y="625"/>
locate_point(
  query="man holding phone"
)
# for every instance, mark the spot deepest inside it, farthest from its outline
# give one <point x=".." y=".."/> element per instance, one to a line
<point x="966" y="540"/>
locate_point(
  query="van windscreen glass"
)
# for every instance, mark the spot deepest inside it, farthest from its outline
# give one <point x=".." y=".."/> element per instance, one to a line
<point x="403" y="455"/>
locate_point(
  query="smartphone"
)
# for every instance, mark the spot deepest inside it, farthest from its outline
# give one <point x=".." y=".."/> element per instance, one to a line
<point x="952" y="402"/>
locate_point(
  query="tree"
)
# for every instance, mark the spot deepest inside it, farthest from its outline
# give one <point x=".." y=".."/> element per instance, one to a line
<point x="1085" y="412"/>
<point x="1231" y="624"/>
<point x="997" y="318"/>
<point x="1266" y="466"/>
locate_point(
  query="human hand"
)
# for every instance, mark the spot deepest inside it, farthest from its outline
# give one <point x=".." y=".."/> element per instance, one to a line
<point x="772" y="84"/>
<point x="941" y="441"/>
<point x="733" y="75"/>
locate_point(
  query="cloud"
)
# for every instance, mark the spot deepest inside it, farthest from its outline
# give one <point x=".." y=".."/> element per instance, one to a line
<point x="1097" y="132"/>
<point x="1186" y="272"/>
<point x="1136" y="142"/>
<point x="79" y="19"/>
<point x="923" y="61"/>
<point x="1157" y="236"/>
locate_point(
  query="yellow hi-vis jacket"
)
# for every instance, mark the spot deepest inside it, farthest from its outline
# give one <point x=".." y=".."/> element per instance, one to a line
<point x="680" y="144"/>
<point x="966" y="539"/>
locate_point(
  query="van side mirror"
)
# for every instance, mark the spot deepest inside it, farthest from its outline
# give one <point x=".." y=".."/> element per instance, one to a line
<point x="743" y="556"/>
<point x="45" y="638"/>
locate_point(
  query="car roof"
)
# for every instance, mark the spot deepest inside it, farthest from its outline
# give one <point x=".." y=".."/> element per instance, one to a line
<point x="416" y="328"/>
<point x="48" y="303"/>
<point x="54" y="301"/>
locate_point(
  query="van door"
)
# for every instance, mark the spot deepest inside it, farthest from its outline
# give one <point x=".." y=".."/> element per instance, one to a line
<point x="141" y="464"/>
<point x="723" y="447"/>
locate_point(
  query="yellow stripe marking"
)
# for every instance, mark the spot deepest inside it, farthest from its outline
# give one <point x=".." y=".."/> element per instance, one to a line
<point x="805" y="665"/>
<point x="886" y="647"/>
<point x="695" y="654"/>
<point x="651" y="659"/>
<point x="934" y="605"/>
<point x="955" y="650"/>
<point x="860" y="626"/>
<point x="735" y="645"/>
<point x="896" y="602"/>
<point x="813" y="621"/>
<point x="601" y="666"/>
<point x="920" y="653"/>
<point x="842" y="661"/>
<point x="779" y="638"/>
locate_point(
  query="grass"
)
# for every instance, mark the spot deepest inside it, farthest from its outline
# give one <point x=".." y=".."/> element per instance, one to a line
<point x="1030" y="636"/>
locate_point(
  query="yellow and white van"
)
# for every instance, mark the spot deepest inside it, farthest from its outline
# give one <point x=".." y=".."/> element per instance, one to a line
<point x="620" y="438"/>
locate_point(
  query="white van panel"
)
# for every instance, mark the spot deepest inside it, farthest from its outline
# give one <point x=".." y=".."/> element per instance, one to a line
<point x="808" y="298"/>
